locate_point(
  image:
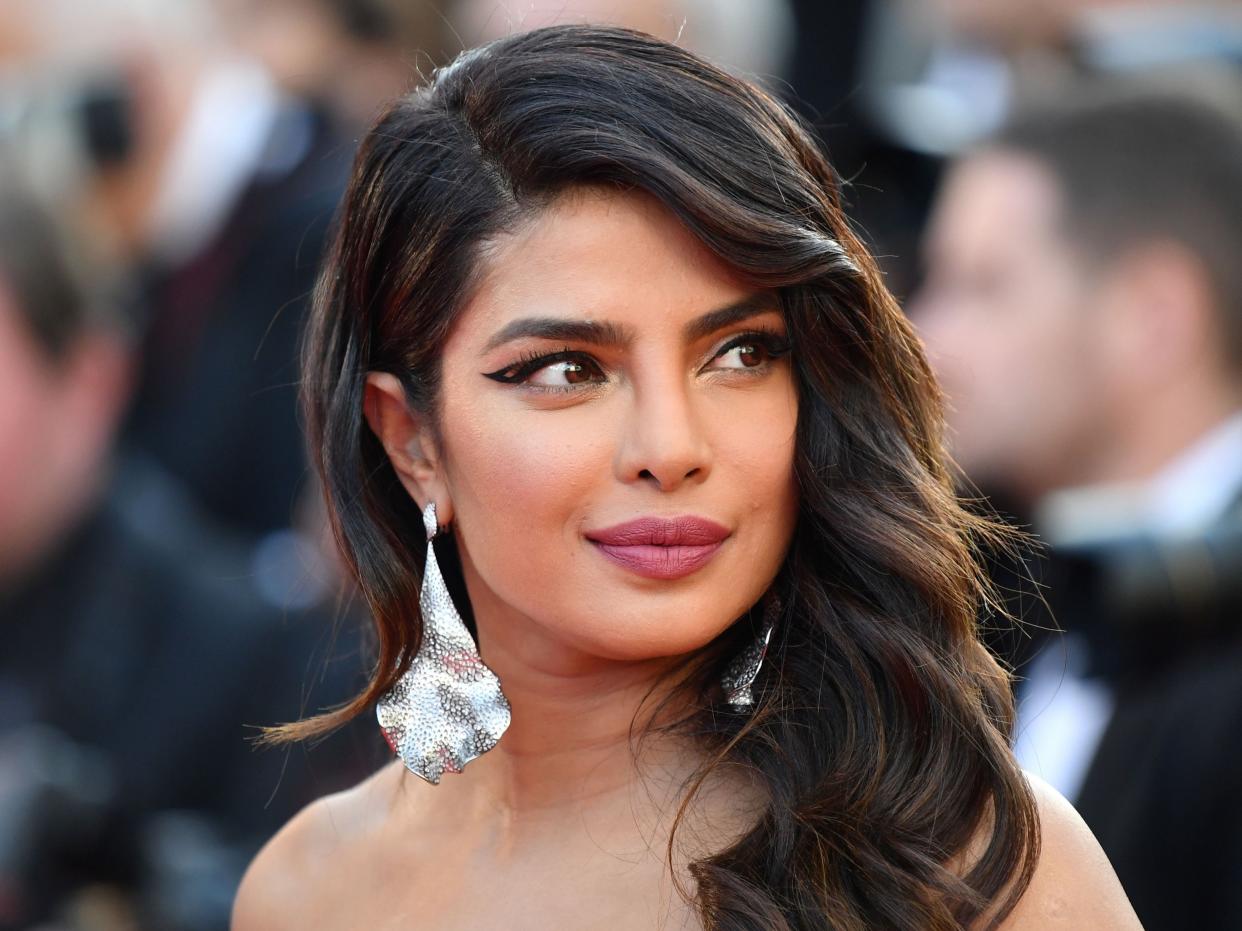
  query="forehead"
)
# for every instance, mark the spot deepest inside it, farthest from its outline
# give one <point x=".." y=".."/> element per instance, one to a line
<point x="599" y="254"/>
<point x="994" y="201"/>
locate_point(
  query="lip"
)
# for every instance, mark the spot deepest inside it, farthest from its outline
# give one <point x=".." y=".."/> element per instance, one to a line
<point x="661" y="547"/>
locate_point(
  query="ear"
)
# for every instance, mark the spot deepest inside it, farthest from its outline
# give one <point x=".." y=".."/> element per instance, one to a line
<point x="407" y="439"/>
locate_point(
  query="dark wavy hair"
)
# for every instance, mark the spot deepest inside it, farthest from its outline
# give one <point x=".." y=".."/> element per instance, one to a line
<point x="882" y="724"/>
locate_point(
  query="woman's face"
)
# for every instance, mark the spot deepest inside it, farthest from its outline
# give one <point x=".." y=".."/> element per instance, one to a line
<point x="609" y="368"/>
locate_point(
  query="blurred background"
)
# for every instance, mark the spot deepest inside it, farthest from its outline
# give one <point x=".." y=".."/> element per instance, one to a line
<point x="1054" y="188"/>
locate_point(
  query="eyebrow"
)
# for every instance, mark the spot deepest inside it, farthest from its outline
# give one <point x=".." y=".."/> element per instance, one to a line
<point x="608" y="334"/>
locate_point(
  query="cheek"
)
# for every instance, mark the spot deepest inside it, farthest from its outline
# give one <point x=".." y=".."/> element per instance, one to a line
<point x="28" y="416"/>
<point x="519" y="482"/>
<point x="754" y="449"/>
<point x="529" y="463"/>
<point x="1006" y="360"/>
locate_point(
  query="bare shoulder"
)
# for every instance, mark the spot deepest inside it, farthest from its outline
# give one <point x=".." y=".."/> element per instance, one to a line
<point x="306" y="864"/>
<point x="1074" y="885"/>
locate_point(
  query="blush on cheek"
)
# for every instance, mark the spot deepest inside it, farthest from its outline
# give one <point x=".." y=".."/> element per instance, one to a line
<point x="538" y="474"/>
<point x="519" y="486"/>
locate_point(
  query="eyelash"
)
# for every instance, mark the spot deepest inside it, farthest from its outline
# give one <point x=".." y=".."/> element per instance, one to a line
<point x="530" y="362"/>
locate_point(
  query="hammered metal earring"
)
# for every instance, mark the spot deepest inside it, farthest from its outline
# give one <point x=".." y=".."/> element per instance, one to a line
<point x="447" y="708"/>
<point x="740" y="674"/>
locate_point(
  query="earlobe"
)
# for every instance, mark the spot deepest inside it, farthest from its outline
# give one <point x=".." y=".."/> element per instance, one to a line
<point x="403" y="435"/>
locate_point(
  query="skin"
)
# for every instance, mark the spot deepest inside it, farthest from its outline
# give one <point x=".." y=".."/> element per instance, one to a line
<point x="1062" y="369"/>
<point x="561" y="825"/>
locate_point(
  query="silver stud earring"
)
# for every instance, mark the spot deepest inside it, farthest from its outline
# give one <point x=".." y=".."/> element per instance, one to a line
<point x="740" y="674"/>
<point x="447" y="708"/>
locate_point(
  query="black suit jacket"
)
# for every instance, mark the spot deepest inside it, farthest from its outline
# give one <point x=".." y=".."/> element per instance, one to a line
<point x="1163" y="791"/>
<point x="137" y="661"/>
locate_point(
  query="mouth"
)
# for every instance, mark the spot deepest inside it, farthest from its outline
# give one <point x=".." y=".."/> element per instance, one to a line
<point x="661" y="548"/>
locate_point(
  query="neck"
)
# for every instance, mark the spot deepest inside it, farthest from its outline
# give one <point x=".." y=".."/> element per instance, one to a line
<point x="577" y="719"/>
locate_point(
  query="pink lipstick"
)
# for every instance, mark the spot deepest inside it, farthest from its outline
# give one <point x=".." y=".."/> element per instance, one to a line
<point x="659" y="547"/>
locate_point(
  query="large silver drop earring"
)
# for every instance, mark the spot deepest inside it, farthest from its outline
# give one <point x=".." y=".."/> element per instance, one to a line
<point x="447" y="708"/>
<point x="740" y="674"/>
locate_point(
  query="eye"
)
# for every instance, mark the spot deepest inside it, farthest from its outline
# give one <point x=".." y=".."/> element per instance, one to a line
<point x="573" y="370"/>
<point x="563" y="373"/>
<point x="566" y="370"/>
<point x="751" y="350"/>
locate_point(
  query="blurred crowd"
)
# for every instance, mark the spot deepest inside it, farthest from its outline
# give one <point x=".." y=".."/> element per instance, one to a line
<point x="1054" y="189"/>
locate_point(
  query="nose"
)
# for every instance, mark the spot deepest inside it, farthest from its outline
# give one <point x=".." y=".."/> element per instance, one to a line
<point x="663" y="439"/>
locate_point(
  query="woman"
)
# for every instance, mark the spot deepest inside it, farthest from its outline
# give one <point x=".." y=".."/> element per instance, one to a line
<point x="594" y="323"/>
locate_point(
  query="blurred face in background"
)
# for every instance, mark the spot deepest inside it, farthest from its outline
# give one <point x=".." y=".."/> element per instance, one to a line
<point x="57" y="418"/>
<point x="26" y="427"/>
<point x="298" y="42"/>
<point x="1007" y="313"/>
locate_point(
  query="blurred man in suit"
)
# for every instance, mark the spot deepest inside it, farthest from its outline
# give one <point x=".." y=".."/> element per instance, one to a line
<point x="136" y="649"/>
<point x="1083" y="308"/>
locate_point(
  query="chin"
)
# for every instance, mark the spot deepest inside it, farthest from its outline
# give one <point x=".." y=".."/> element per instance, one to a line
<point x="653" y="636"/>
